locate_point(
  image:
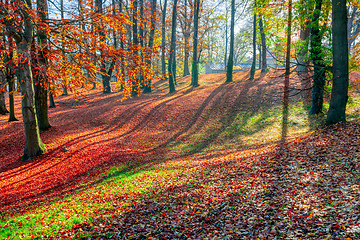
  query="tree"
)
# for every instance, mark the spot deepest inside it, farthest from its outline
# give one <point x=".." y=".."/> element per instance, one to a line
<point x="23" y="38"/>
<point x="163" y="40"/>
<point x="230" y="64"/>
<point x="9" y="65"/>
<point x="316" y="56"/>
<point x="105" y="75"/>
<point x="172" y="63"/>
<point x="263" y="45"/>
<point x="340" y="69"/>
<point x="147" y="87"/>
<point x="65" y="91"/>
<point x="3" y="109"/>
<point x="185" y="24"/>
<point x="195" y="65"/>
<point x="41" y="66"/>
<point x="252" y="70"/>
<point x="287" y="75"/>
<point x="302" y="65"/>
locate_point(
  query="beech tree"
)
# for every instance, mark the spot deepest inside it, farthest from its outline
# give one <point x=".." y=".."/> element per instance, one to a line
<point x="172" y="59"/>
<point x="23" y="36"/>
<point x="40" y="61"/>
<point x="163" y="39"/>
<point x="340" y="69"/>
<point x="3" y="109"/>
<point x="252" y="70"/>
<point x="195" y="65"/>
<point x="230" y="63"/>
<point x="317" y="59"/>
<point x="147" y="87"/>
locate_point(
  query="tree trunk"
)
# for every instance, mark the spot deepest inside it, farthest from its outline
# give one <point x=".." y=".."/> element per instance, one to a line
<point x="303" y="63"/>
<point x="195" y="65"/>
<point x="51" y="100"/>
<point x="41" y="82"/>
<point x="147" y="88"/>
<point x="263" y="45"/>
<point x="33" y="143"/>
<point x="230" y="65"/>
<point x="135" y="81"/>
<point x="172" y="50"/>
<point x="316" y="56"/>
<point x="11" y="84"/>
<point x="186" y="33"/>
<point x="339" y="93"/>
<point x="65" y="91"/>
<point x="252" y="70"/>
<point x="287" y="77"/>
<point x="163" y="41"/>
<point x="3" y="109"/>
<point x="105" y="77"/>
<point x="226" y="36"/>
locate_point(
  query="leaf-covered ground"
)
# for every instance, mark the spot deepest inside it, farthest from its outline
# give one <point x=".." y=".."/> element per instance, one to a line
<point x="201" y="163"/>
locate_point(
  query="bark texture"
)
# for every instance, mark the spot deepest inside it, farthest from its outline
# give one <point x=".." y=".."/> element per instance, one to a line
<point x="339" y="93"/>
<point x="230" y="64"/>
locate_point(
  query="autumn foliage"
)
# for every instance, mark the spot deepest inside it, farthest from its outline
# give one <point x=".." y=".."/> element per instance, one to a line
<point x="203" y="162"/>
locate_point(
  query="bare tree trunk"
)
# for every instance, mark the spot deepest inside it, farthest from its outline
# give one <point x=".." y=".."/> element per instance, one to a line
<point x="135" y="91"/>
<point x="33" y="143"/>
<point x="263" y="45"/>
<point x="319" y="68"/>
<point x="230" y="65"/>
<point x="252" y="70"/>
<point x="11" y="84"/>
<point x="287" y="77"/>
<point x="3" y="109"/>
<point x="339" y="93"/>
<point x="186" y="33"/>
<point x="65" y="91"/>
<point x="104" y="74"/>
<point x="51" y="100"/>
<point x="41" y="82"/>
<point x="172" y="62"/>
<point x="147" y="87"/>
<point x="195" y="65"/>
<point x="303" y="63"/>
<point x="163" y="40"/>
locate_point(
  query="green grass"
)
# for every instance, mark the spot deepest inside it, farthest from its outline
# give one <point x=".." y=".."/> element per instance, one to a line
<point x="63" y="213"/>
<point x="121" y="185"/>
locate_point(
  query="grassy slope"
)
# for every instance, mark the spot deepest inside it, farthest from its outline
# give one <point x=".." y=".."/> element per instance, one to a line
<point x="198" y="163"/>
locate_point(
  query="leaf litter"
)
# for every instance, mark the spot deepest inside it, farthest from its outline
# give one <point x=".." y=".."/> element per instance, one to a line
<point x="125" y="177"/>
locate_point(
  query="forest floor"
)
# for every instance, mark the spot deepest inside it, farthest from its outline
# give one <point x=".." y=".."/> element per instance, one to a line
<point x="212" y="162"/>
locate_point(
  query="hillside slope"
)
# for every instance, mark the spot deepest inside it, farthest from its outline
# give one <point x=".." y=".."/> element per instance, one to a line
<point x="202" y="162"/>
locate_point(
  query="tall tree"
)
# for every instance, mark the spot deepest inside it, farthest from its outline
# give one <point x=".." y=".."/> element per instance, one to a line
<point x="316" y="56"/>
<point x="10" y="75"/>
<point x="230" y="64"/>
<point x="105" y="75"/>
<point x="147" y="87"/>
<point x="65" y="91"/>
<point x="263" y="45"/>
<point x="252" y="70"/>
<point x="3" y="109"/>
<point x="340" y="69"/>
<point x="195" y="65"/>
<point x="302" y="52"/>
<point x="172" y="63"/>
<point x="163" y="40"/>
<point x="287" y="75"/>
<point x="23" y="37"/>
<point x="41" y="78"/>
<point x="185" y="23"/>
<point x="135" y="42"/>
